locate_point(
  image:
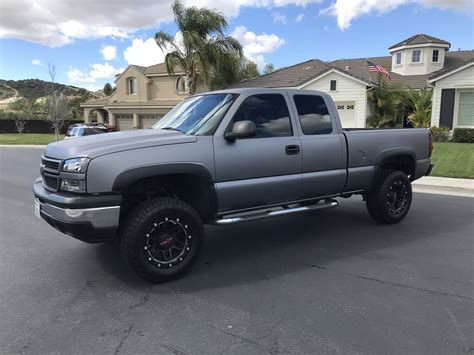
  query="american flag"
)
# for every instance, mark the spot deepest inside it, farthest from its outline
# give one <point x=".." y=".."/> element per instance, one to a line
<point x="378" y="69"/>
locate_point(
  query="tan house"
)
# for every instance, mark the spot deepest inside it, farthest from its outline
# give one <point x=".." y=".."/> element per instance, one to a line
<point x="142" y="96"/>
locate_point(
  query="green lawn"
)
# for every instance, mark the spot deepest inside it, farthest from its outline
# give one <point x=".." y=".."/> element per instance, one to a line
<point x="453" y="160"/>
<point x="27" y="138"/>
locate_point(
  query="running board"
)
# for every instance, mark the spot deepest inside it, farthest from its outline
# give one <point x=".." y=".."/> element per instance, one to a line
<point x="247" y="217"/>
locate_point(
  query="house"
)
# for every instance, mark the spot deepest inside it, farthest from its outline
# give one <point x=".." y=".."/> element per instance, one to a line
<point x="143" y="95"/>
<point x="418" y="61"/>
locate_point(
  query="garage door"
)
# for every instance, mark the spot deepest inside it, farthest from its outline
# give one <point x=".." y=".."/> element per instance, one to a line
<point x="124" y="122"/>
<point x="147" y="121"/>
<point x="346" y="110"/>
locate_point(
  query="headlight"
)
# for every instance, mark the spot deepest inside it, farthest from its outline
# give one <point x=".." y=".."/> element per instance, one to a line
<point x="76" y="165"/>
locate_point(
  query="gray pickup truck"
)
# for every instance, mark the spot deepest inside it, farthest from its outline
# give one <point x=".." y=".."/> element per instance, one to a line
<point x="221" y="158"/>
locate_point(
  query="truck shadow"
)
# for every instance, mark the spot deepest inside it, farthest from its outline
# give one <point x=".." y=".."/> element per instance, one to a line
<point x="262" y="250"/>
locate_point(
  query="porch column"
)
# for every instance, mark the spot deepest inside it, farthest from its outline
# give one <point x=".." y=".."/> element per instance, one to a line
<point x="112" y="119"/>
<point x="87" y="111"/>
<point x="136" y="121"/>
<point x="100" y="116"/>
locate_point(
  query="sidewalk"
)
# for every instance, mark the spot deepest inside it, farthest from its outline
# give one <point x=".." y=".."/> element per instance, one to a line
<point x="444" y="186"/>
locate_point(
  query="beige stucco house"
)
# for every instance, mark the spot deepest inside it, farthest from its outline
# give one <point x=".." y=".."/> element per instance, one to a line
<point x="142" y="96"/>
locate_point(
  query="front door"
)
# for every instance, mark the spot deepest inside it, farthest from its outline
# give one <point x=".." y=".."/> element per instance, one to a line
<point x="265" y="169"/>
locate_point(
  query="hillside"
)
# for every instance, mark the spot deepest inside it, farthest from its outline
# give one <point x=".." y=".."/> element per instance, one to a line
<point x="34" y="88"/>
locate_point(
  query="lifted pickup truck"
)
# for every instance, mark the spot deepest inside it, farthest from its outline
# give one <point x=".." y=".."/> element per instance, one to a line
<point x="220" y="158"/>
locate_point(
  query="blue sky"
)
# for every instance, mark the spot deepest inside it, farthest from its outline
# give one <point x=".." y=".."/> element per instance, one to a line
<point x="282" y="32"/>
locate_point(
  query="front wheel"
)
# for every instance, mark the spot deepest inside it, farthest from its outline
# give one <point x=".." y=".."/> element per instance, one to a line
<point x="161" y="239"/>
<point x="390" y="200"/>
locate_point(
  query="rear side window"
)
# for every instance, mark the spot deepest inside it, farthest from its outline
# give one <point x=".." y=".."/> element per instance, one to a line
<point x="313" y="114"/>
<point x="270" y="114"/>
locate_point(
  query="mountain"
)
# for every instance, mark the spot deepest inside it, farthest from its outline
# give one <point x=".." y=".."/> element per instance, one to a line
<point x="35" y="88"/>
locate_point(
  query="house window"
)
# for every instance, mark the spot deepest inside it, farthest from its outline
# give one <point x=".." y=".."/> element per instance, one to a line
<point x="333" y="85"/>
<point x="182" y="85"/>
<point x="340" y="107"/>
<point x="435" y="56"/>
<point x="416" y="56"/>
<point x="466" y="109"/>
<point x="398" y="59"/>
<point x="132" y="86"/>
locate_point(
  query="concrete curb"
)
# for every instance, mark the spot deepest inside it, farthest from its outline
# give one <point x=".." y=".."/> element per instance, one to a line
<point x="444" y="186"/>
<point x="22" y="146"/>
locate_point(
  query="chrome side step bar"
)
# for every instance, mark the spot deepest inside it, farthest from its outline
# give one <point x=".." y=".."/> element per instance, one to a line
<point x="253" y="216"/>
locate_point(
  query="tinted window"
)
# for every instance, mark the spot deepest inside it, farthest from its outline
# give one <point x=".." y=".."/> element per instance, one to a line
<point x="313" y="114"/>
<point x="269" y="112"/>
<point x="333" y="85"/>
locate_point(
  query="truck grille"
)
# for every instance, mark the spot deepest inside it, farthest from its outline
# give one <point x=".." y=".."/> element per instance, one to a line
<point x="51" y="182"/>
<point x="51" y="164"/>
<point x="50" y="173"/>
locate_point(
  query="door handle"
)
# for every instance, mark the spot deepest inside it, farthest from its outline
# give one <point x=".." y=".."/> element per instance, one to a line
<point x="292" y="149"/>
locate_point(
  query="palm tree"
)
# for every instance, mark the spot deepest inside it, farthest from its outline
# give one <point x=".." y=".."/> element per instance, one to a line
<point x="419" y="105"/>
<point x="387" y="105"/>
<point x="204" y="45"/>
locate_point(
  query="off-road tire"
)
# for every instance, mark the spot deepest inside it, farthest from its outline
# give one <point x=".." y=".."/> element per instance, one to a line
<point x="151" y="224"/>
<point x="386" y="205"/>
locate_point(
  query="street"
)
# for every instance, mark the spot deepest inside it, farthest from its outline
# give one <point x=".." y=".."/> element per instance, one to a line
<point x="328" y="281"/>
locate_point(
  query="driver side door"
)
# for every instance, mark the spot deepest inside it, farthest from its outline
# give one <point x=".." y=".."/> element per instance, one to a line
<point x="262" y="170"/>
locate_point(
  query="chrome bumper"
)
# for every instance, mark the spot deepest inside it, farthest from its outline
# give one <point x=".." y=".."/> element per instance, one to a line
<point x="99" y="217"/>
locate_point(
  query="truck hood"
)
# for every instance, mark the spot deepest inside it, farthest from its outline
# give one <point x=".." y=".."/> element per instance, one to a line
<point x="101" y="144"/>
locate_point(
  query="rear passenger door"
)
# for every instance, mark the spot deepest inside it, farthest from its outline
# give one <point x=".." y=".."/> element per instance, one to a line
<point x="262" y="170"/>
<point x="324" y="170"/>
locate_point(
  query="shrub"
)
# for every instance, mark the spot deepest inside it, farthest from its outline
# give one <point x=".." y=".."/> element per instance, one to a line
<point x="440" y="134"/>
<point x="463" y="135"/>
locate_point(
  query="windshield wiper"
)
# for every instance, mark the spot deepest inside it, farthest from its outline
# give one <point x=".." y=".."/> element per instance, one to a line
<point x="173" y="129"/>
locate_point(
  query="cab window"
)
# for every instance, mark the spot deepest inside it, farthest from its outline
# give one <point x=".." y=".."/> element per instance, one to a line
<point x="270" y="114"/>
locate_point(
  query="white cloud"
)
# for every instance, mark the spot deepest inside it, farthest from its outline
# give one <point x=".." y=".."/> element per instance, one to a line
<point x="101" y="71"/>
<point x="299" y="18"/>
<point x="37" y="62"/>
<point x="89" y="79"/>
<point x="59" y="22"/>
<point x="255" y="46"/>
<point x="348" y="10"/>
<point x="77" y="76"/>
<point x="109" y="52"/>
<point x="144" y="53"/>
<point x="279" y="18"/>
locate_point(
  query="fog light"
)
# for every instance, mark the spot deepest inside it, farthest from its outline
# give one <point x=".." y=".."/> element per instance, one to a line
<point x="70" y="185"/>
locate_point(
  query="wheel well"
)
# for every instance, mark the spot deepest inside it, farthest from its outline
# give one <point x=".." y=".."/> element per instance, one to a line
<point x="405" y="163"/>
<point x="189" y="188"/>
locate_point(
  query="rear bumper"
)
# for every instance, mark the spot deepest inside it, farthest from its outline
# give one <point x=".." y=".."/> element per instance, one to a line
<point x="423" y="168"/>
<point x="77" y="216"/>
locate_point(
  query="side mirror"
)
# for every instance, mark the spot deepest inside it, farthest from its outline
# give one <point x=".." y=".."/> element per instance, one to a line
<point x="241" y="129"/>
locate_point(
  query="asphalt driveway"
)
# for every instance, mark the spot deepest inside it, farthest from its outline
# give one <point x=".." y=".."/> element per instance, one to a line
<point x="328" y="281"/>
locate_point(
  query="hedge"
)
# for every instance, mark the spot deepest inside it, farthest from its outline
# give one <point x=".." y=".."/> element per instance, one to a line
<point x="34" y="126"/>
<point x="463" y="135"/>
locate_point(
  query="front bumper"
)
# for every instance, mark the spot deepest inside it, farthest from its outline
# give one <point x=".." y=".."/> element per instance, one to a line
<point x="91" y="219"/>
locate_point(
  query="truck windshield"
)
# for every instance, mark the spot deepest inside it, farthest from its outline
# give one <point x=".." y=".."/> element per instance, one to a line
<point x="199" y="115"/>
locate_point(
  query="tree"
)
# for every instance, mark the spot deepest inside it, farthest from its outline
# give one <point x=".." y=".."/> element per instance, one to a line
<point x="387" y="104"/>
<point x="231" y="73"/>
<point x="201" y="47"/>
<point x="108" y="89"/>
<point x="26" y="110"/>
<point x="268" y="68"/>
<point x="75" y="109"/>
<point x="419" y="105"/>
<point x="56" y="105"/>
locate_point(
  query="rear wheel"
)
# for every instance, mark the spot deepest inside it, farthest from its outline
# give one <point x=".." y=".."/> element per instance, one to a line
<point x="391" y="198"/>
<point x="161" y="239"/>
